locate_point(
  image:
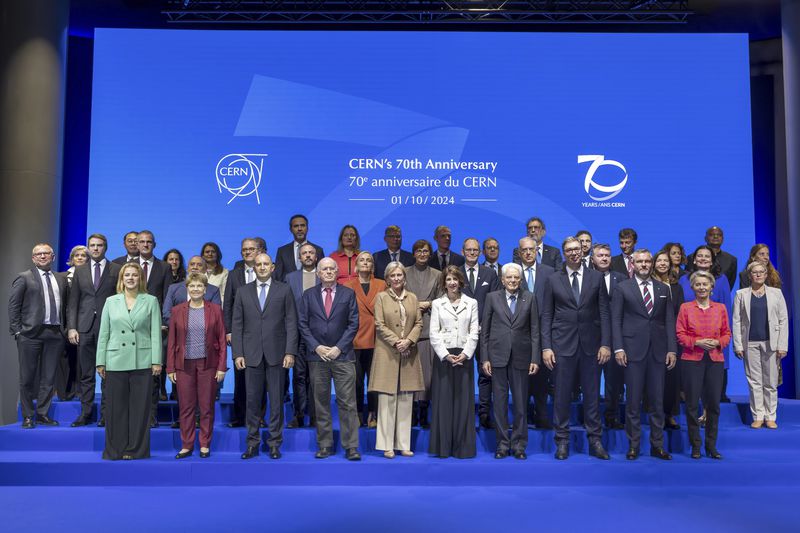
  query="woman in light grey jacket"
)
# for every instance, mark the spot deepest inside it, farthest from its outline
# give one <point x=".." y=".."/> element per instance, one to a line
<point x="761" y="339"/>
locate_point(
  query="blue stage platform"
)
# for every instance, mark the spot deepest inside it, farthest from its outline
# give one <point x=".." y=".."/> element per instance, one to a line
<point x="750" y="489"/>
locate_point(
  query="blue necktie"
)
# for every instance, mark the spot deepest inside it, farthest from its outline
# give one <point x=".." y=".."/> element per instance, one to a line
<point x="262" y="295"/>
<point x="538" y="256"/>
<point x="513" y="303"/>
<point x="576" y="290"/>
<point x="530" y="279"/>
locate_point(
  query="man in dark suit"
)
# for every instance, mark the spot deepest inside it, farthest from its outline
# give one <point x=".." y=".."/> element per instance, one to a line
<point x="443" y="255"/>
<point x="36" y="314"/>
<point x="131" y="243"/>
<point x="92" y="283"/>
<point x="727" y="262"/>
<point x="288" y="257"/>
<point x="264" y="341"/>
<point x="481" y="280"/>
<point x="300" y="281"/>
<point x="393" y="237"/>
<point x="509" y="354"/>
<point x="643" y="329"/>
<point x="158" y="277"/>
<point x="585" y="238"/>
<point x="623" y="263"/>
<point x="260" y="248"/>
<point x="238" y="278"/>
<point x="576" y="336"/>
<point x="612" y="372"/>
<point x="491" y="255"/>
<point x="533" y="280"/>
<point x="328" y="321"/>
<point x="545" y="254"/>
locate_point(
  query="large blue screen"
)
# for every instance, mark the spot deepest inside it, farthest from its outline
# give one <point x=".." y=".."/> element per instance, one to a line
<point x="217" y="135"/>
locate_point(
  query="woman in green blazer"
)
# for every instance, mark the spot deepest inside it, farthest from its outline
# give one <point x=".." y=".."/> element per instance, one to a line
<point x="128" y="355"/>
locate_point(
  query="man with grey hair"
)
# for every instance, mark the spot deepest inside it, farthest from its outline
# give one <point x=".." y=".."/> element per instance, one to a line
<point x="444" y="256"/>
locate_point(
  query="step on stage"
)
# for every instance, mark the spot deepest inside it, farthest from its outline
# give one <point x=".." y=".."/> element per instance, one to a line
<point x="56" y="474"/>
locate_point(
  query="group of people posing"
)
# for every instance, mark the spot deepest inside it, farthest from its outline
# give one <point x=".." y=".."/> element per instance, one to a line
<point x="657" y="325"/>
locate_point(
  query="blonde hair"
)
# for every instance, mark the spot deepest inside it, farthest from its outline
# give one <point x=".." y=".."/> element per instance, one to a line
<point x="142" y="287"/>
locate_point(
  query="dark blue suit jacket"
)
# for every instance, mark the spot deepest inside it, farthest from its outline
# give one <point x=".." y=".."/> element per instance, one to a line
<point x="176" y="294"/>
<point x="634" y="329"/>
<point x="338" y="330"/>
<point x="542" y="273"/>
<point x="382" y="259"/>
<point x="485" y="283"/>
<point x="567" y="326"/>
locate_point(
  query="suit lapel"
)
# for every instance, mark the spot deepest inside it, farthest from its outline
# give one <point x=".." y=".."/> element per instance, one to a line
<point x="269" y="296"/>
<point x="746" y="299"/>
<point x="567" y="286"/>
<point x="522" y="297"/>
<point x="504" y="303"/>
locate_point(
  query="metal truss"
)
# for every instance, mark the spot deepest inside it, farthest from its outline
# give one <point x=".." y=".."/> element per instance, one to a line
<point x="427" y="11"/>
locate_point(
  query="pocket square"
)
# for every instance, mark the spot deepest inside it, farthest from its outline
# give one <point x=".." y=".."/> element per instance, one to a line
<point x="485" y="283"/>
<point x="662" y="296"/>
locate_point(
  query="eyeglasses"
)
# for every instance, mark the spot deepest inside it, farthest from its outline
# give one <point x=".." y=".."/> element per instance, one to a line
<point x="472" y="250"/>
<point x="572" y="250"/>
<point x="249" y="250"/>
<point x="42" y="254"/>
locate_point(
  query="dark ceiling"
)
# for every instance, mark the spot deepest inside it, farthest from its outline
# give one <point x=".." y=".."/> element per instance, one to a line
<point x="759" y="18"/>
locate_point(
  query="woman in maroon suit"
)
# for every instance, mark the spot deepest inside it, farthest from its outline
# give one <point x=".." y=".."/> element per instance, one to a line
<point x="196" y="362"/>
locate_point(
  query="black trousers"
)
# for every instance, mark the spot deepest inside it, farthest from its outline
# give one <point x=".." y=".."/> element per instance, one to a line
<point x="87" y="352"/>
<point x="343" y="375"/>
<point x="128" y="413"/>
<point x="585" y="368"/>
<point x="537" y="387"/>
<point x="68" y="374"/>
<point x="672" y="390"/>
<point x="702" y="380"/>
<point x="302" y="386"/>
<point x="645" y="379"/>
<point x="484" y="389"/>
<point x="614" y="381"/>
<point x="505" y="379"/>
<point x="38" y="355"/>
<point x="453" y="407"/>
<point x="363" y="367"/>
<point x="257" y="377"/>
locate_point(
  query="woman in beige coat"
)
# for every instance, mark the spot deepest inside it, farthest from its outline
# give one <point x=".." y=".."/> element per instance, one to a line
<point x="396" y="370"/>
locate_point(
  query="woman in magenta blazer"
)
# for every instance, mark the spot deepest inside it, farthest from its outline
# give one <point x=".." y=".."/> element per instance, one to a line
<point x="196" y="362"/>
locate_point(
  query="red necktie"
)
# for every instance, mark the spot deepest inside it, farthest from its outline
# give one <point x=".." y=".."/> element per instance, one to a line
<point x="328" y="301"/>
<point x="144" y="271"/>
<point x="648" y="300"/>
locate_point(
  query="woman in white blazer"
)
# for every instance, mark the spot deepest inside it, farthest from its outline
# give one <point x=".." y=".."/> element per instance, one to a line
<point x="761" y="338"/>
<point x="454" y="337"/>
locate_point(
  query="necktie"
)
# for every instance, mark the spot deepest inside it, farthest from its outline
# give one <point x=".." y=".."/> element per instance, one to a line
<point x="96" y="275"/>
<point x="648" y="300"/>
<point x="630" y="266"/>
<point x="328" y="301"/>
<point x="262" y="295"/>
<point x="576" y="289"/>
<point x="297" y="262"/>
<point x="144" y="270"/>
<point x="443" y="261"/>
<point x="51" y="298"/>
<point x="539" y="255"/>
<point x="394" y="257"/>
<point x="512" y="304"/>
<point x="472" y="279"/>
<point x="248" y="275"/>
<point x="531" y="280"/>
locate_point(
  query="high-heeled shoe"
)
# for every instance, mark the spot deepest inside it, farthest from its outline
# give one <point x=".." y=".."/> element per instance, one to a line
<point x="406" y="453"/>
<point x="757" y="424"/>
<point x="389" y="454"/>
<point x="205" y="454"/>
<point x="372" y="422"/>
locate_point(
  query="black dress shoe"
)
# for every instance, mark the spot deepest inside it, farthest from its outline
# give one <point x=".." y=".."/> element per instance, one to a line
<point x="175" y="425"/>
<point x="323" y="453"/>
<point x="486" y="422"/>
<point x="153" y="423"/>
<point x="274" y="452"/>
<point x="235" y="424"/>
<point x="695" y="453"/>
<point x="543" y="423"/>
<point x="252" y="451"/>
<point x="27" y="422"/>
<point x="597" y="450"/>
<point x="205" y="455"/>
<point x="183" y="455"/>
<point x="295" y="423"/>
<point x="713" y="453"/>
<point x="632" y="454"/>
<point x="520" y="454"/>
<point x="671" y="423"/>
<point x="660" y="453"/>
<point x="353" y="455"/>
<point x="45" y="420"/>
<point x="501" y="454"/>
<point x="613" y="423"/>
<point x="262" y="424"/>
<point x="101" y="423"/>
<point x="80" y="421"/>
<point x="562" y="451"/>
<point x="127" y="457"/>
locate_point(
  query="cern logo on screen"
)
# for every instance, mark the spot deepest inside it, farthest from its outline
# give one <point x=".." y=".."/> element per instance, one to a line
<point x="240" y="175"/>
<point x="589" y="183"/>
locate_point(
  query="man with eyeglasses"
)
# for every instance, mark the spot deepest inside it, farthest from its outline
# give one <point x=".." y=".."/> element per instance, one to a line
<point x="491" y="255"/>
<point x="36" y="319"/>
<point x="393" y="237"/>
<point x="576" y="338"/>
<point x="238" y="278"/>
<point x="481" y="280"/>
<point x="545" y="254"/>
<point x="131" y="243"/>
